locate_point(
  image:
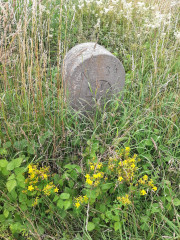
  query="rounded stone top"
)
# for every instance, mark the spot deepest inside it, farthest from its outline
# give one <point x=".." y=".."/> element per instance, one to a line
<point x="90" y="74"/>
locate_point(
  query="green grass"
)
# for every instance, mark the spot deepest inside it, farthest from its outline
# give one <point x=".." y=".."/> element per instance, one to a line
<point x="36" y="121"/>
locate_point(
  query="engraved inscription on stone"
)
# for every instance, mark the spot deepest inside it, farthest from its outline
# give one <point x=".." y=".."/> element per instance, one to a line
<point x="91" y="73"/>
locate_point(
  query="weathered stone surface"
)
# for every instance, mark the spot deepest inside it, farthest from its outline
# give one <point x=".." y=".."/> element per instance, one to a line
<point x="91" y="73"/>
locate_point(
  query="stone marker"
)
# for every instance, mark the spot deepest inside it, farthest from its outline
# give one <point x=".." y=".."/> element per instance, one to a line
<point x="91" y="73"/>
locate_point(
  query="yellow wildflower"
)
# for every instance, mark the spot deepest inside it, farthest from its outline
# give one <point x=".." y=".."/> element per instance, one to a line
<point x="30" y="169"/>
<point x="141" y="181"/>
<point x="32" y="176"/>
<point x="120" y="178"/>
<point x="154" y="188"/>
<point x="95" y="176"/>
<point x="143" y="192"/>
<point x="133" y="165"/>
<point x="30" y="188"/>
<point x="127" y="149"/>
<point x="99" y="165"/>
<point x="125" y="200"/>
<point x="45" y="176"/>
<point x="145" y="177"/>
<point x="77" y="204"/>
<point x="89" y="181"/>
<point x="150" y="183"/>
<point x="87" y="176"/>
<point x="92" y="167"/>
<point x="56" y="189"/>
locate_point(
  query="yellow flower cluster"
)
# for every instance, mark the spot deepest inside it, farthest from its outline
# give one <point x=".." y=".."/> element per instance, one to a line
<point x="37" y="180"/>
<point x="124" y="200"/>
<point x="94" y="179"/>
<point x="123" y="165"/>
<point x="80" y="200"/>
<point x="94" y="166"/>
<point x="49" y="188"/>
<point x="94" y="176"/>
<point x="144" y="181"/>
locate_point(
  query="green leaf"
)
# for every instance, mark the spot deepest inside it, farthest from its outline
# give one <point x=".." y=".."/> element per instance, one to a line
<point x="11" y="177"/>
<point x="60" y="203"/>
<point x="96" y="220"/>
<point x="22" y="197"/>
<point x="91" y="194"/>
<point x="169" y="198"/>
<point x="107" y="186"/>
<point x="90" y="226"/>
<point x="144" y="227"/>
<point x="3" y="163"/>
<point x="64" y="195"/>
<point x="71" y="183"/>
<point x="148" y="142"/>
<point x="5" y="172"/>
<point x="19" y="170"/>
<point x="13" y="194"/>
<point x="16" y="227"/>
<point x="6" y="213"/>
<point x="176" y="202"/>
<point x="23" y="207"/>
<point x="117" y="226"/>
<point x="11" y="185"/>
<point x="55" y="198"/>
<point x="11" y="165"/>
<point x="102" y="208"/>
<point x="20" y="178"/>
<point x="67" y="204"/>
<point x="15" y="163"/>
<point x="155" y="208"/>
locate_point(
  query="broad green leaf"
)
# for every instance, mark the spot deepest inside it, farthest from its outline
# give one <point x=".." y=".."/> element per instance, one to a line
<point x="90" y="226"/>
<point x="169" y="198"/>
<point x="60" y="203"/>
<point x="144" y="227"/>
<point x="23" y="207"/>
<point x="64" y="195"/>
<point x="11" y="185"/>
<point x="15" y="163"/>
<point x="67" y="204"/>
<point x="13" y="194"/>
<point x="11" y="177"/>
<point x="22" y="197"/>
<point x="20" y="178"/>
<point x="19" y="170"/>
<point x="117" y="226"/>
<point x="16" y="228"/>
<point x="11" y="165"/>
<point x="18" y="162"/>
<point x="96" y="220"/>
<point x="5" y="172"/>
<point x="3" y="163"/>
<point x="91" y="194"/>
<point x="107" y="186"/>
<point x="176" y="202"/>
<point x="6" y="213"/>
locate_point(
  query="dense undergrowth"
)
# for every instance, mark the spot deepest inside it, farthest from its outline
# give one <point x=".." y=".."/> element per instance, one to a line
<point x="38" y="129"/>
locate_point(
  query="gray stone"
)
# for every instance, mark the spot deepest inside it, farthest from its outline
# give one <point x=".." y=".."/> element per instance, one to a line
<point x="91" y="73"/>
